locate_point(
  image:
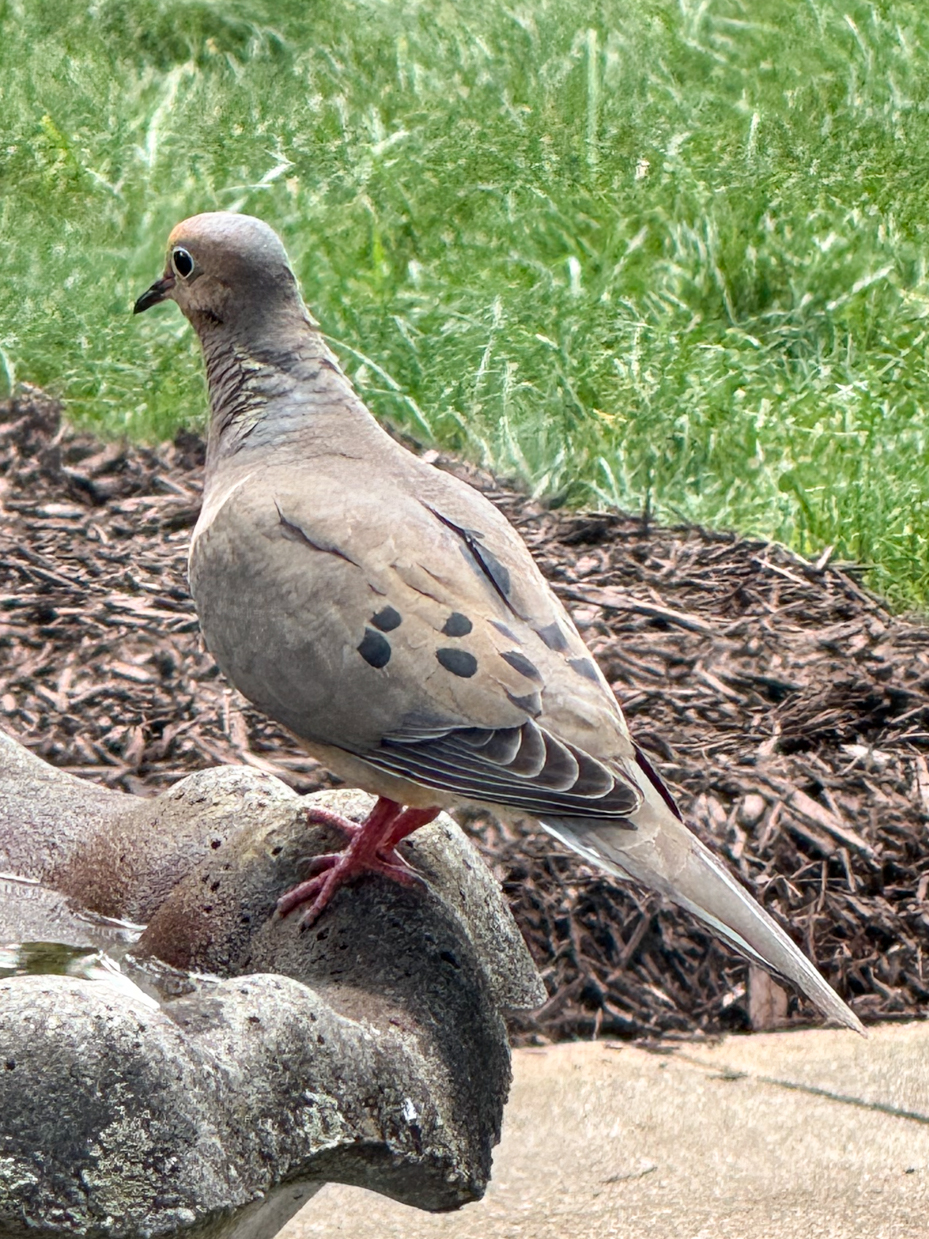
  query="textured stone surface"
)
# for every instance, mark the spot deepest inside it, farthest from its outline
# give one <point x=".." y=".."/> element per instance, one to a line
<point x="370" y="1049"/>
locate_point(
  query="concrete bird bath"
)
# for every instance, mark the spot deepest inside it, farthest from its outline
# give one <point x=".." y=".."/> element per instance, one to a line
<point x="214" y="1095"/>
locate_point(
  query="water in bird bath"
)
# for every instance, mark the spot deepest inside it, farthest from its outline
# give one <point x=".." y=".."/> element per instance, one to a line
<point x="42" y="934"/>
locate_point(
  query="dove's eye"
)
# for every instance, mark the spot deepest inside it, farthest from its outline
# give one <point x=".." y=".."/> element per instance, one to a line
<point x="182" y="262"/>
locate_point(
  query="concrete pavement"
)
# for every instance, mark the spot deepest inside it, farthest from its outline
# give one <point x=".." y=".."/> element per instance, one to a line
<point x="795" y="1135"/>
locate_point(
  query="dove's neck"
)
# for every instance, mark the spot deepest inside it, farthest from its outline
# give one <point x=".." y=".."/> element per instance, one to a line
<point x="276" y="390"/>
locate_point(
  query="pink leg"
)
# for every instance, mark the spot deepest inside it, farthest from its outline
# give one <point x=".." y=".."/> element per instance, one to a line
<point x="371" y="849"/>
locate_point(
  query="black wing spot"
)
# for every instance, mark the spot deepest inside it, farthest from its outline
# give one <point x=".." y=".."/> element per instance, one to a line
<point x="293" y="533"/>
<point x="553" y="637"/>
<point x="486" y="561"/>
<point x="374" y="649"/>
<point x="457" y="625"/>
<point x="494" y="569"/>
<point x="531" y="703"/>
<point x="387" y="620"/>
<point x="584" y="667"/>
<point x="519" y="662"/>
<point x="507" y="632"/>
<point x="458" y="662"/>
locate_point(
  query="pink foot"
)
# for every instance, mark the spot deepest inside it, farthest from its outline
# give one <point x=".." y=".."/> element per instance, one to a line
<point x="371" y="849"/>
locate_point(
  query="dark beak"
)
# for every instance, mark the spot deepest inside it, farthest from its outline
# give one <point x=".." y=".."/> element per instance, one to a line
<point x="158" y="292"/>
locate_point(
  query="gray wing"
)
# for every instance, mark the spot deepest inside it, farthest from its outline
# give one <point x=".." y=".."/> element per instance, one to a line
<point x="414" y="631"/>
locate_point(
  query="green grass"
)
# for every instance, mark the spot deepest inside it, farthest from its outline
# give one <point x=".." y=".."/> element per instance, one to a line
<point x="634" y="251"/>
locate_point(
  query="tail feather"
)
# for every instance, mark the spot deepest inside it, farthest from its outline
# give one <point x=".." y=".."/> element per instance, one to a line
<point x="661" y="853"/>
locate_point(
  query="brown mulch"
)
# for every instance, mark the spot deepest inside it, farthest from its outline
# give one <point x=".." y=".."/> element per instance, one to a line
<point x="788" y="709"/>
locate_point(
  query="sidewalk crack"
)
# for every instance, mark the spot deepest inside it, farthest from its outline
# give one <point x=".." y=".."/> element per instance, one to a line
<point x="731" y="1073"/>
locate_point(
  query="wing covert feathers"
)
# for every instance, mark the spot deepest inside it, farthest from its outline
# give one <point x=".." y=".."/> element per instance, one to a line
<point x="524" y="768"/>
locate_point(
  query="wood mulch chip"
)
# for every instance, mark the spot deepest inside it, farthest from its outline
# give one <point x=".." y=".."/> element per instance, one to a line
<point x="785" y="705"/>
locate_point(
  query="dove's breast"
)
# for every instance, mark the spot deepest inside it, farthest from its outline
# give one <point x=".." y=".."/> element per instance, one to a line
<point x="274" y="615"/>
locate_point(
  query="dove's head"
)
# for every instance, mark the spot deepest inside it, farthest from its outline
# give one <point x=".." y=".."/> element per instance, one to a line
<point x="229" y="270"/>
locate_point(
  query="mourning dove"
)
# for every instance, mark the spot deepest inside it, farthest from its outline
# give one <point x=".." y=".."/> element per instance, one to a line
<point x="390" y="617"/>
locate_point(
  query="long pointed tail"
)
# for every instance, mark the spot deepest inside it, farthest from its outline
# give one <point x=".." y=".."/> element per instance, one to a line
<point x="661" y="853"/>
